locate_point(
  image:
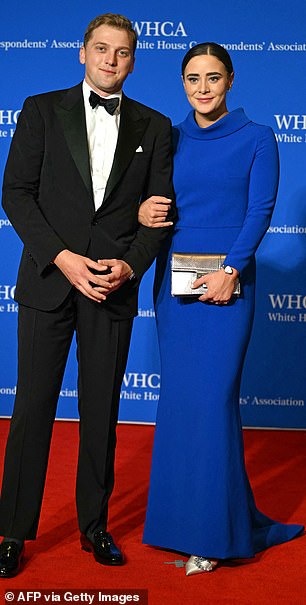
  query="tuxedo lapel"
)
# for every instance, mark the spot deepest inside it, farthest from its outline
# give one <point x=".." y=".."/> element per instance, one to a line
<point x="71" y="114"/>
<point x="131" y="130"/>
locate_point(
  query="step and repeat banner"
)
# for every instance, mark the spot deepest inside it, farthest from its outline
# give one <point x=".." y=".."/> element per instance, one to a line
<point x="39" y="46"/>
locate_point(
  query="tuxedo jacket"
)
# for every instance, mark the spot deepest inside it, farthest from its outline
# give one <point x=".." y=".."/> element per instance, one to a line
<point x="48" y="197"/>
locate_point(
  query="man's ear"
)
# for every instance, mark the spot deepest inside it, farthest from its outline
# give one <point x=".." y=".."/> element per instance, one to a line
<point x="132" y="66"/>
<point x="82" y="55"/>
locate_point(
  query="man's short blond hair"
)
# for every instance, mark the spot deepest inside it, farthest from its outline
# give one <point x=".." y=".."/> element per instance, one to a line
<point x="112" y="20"/>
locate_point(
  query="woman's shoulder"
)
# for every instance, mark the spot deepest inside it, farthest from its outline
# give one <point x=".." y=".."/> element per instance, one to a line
<point x="264" y="138"/>
<point x="176" y="135"/>
<point x="261" y="131"/>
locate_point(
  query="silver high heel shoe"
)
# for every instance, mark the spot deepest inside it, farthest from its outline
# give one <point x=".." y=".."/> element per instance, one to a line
<point x="198" y="565"/>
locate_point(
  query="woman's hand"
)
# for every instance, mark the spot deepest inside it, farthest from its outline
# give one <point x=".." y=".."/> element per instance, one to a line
<point x="220" y="286"/>
<point x="153" y="212"/>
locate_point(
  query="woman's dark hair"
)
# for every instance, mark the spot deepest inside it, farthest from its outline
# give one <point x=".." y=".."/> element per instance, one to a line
<point x="209" y="48"/>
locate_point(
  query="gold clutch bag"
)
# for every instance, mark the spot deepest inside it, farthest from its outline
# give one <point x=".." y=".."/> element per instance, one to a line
<point x="186" y="268"/>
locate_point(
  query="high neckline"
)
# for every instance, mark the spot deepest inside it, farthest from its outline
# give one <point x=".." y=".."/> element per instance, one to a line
<point x="231" y="122"/>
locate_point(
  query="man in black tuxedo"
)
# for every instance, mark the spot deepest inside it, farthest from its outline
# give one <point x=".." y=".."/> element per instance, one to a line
<point x="77" y="170"/>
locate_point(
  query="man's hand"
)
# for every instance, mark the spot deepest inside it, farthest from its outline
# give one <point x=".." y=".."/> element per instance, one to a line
<point x="78" y="270"/>
<point x="120" y="273"/>
<point x="153" y="212"/>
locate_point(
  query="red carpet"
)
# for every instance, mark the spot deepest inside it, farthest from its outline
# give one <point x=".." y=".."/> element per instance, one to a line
<point x="276" y="466"/>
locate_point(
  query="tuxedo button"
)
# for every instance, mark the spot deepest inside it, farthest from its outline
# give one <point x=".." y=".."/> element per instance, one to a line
<point x="94" y="222"/>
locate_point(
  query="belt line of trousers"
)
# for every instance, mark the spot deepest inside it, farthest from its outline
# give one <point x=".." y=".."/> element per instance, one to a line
<point x="44" y="340"/>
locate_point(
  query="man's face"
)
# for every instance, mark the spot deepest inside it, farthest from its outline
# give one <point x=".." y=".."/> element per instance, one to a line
<point x="108" y="58"/>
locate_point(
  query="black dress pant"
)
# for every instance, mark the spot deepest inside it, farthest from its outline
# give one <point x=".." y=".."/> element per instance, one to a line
<point x="44" y="340"/>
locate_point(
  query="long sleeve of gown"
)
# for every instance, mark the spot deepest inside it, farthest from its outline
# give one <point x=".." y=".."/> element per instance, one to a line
<point x="263" y="187"/>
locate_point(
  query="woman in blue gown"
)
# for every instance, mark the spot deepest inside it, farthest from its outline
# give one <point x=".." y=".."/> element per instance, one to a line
<point x="225" y="180"/>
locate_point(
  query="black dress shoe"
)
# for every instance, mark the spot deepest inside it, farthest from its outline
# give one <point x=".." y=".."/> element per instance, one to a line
<point x="11" y="555"/>
<point x="103" y="548"/>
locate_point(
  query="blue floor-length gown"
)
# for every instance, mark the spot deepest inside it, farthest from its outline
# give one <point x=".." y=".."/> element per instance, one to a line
<point x="200" y="500"/>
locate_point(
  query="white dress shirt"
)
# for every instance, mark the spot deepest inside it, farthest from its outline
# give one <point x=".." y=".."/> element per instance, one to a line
<point x="102" y="136"/>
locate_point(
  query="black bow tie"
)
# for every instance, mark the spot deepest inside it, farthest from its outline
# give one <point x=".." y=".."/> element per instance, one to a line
<point x="109" y="104"/>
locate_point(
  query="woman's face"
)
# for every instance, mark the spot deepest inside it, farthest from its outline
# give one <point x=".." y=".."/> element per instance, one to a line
<point x="206" y="83"/>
